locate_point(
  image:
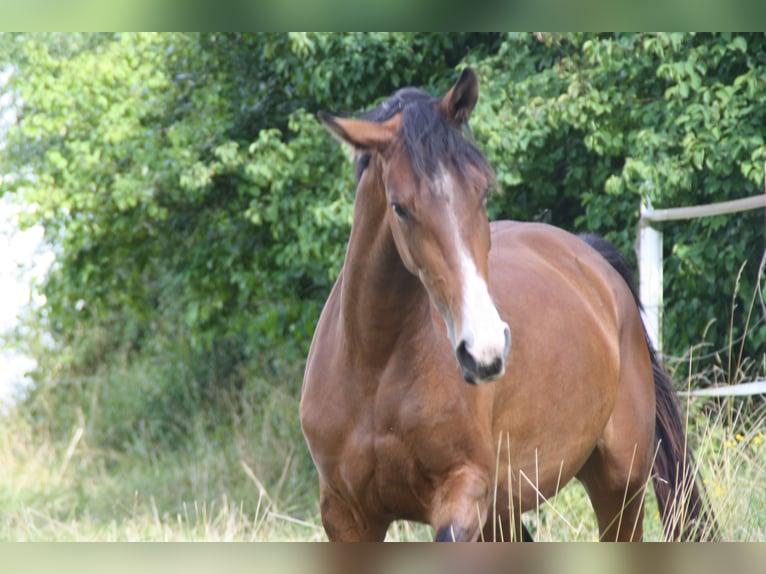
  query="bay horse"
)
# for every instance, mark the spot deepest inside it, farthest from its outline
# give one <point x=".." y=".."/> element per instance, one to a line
<point x="458" y="362"/>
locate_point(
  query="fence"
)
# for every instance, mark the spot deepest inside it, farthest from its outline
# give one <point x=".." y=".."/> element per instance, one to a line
<point x="650" y="255"/>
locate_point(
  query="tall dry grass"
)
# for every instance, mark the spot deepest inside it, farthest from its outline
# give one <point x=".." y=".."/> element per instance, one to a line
<point x="53" y="490"/>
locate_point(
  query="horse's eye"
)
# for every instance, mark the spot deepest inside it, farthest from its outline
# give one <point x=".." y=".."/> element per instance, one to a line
<point x="484" y="198"/>
<point x="400" y="212"/>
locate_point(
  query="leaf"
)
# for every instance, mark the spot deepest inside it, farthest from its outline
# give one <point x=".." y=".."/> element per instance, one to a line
<point x="739" y="43"/>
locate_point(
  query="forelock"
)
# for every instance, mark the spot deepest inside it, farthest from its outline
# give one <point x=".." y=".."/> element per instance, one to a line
<point x="428" y="138"/>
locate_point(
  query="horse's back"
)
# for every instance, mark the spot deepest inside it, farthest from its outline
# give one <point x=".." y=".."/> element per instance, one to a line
<point x="538" y="264"/>
<point x="540" y="272"/>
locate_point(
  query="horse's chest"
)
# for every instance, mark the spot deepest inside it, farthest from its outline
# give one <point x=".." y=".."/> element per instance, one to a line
<point x="417" y="443"/>
<point x="392" y="446"/>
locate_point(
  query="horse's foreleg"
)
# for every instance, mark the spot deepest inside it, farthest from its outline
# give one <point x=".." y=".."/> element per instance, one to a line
<point x="460" y="505"/>
<point x="342" y="524"/>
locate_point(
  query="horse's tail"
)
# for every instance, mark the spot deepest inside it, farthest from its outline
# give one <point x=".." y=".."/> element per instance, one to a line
<point x="685" y="516"/>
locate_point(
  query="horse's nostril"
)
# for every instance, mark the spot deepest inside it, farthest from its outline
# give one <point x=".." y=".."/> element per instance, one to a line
<point x="465" y="358"/>
<point x="473" y="371"/>
<point x="492" y="370"/>
<point x="461" y="352"/>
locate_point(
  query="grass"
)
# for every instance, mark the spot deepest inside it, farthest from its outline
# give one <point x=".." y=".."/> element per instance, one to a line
<point x="54" y="491"/>
<point x="729" y="442"/>
<point x="249" y="478"/>
<point x="120" y="456"/>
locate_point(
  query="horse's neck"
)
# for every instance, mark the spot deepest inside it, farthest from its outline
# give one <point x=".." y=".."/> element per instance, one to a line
<point x="380" y="299"/>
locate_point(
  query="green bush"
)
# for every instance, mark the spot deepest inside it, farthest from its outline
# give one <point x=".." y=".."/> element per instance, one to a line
<point x="199" y="212"/>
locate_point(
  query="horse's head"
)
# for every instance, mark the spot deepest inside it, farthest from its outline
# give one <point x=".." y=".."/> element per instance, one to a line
<point x="436" y="183"/>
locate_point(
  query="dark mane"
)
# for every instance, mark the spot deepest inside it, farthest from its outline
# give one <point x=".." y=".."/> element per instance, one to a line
<point x="427" y="135"/>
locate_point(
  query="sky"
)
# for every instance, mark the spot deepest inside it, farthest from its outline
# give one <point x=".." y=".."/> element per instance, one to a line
<point x="22" y="258"/>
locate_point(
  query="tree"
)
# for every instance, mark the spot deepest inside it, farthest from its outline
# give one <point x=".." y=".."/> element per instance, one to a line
<point x="583" y="127"/>
<point x="191" y="195"/>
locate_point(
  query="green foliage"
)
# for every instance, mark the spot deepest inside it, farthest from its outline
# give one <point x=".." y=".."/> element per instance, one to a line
<point x="199" y="214"/>
<point x="582" y="127"/>
<point x="194" y="202"/>
<point x="197" y="209"/>
<point x="183" y="176"/>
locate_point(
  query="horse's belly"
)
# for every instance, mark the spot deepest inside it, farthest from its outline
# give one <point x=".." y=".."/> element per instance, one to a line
<point x="549" y="419"/>
<point x="561" y="382"/>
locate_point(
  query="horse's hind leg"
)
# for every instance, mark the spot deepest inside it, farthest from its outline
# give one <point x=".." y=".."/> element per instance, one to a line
<point x="617" y="495"/>
<point x="616" y="474"/>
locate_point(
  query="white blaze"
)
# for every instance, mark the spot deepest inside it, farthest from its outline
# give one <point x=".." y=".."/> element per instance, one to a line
<point x="483" y="331"/>
<point x="486" y="336"/>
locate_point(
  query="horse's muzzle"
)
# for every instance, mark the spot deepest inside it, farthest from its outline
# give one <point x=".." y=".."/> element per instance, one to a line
<point x="477" y="373"/>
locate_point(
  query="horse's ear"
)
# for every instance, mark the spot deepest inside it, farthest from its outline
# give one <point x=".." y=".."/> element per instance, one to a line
<point x="361" y="134"/>
<point x="459" y="102"/>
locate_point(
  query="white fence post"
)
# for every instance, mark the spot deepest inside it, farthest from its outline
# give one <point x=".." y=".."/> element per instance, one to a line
<point x="650" y="250"/>
<point x="650" y="275"/>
